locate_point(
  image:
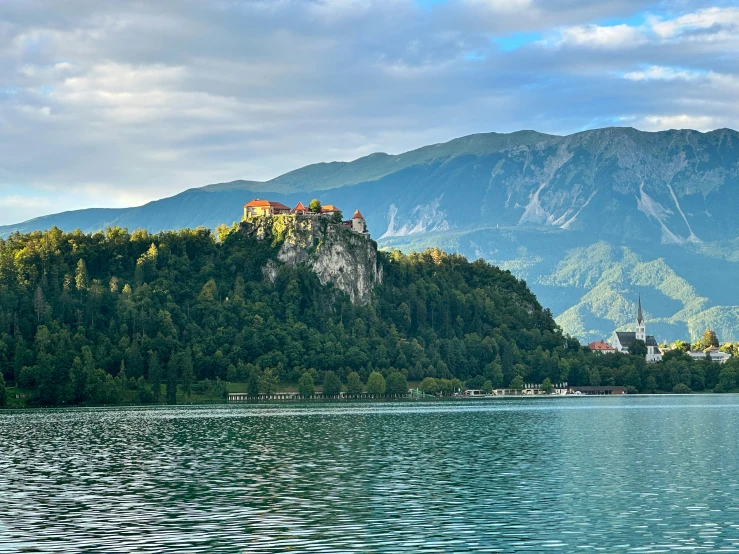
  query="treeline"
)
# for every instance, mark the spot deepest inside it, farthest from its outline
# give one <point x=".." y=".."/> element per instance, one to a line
<point x="132" y="317"/>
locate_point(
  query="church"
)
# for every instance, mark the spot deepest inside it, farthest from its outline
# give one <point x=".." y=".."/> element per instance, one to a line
<point x="622" y="340"/>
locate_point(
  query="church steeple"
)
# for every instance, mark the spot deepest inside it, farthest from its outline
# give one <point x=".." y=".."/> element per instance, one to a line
<point x="641" y="329"/>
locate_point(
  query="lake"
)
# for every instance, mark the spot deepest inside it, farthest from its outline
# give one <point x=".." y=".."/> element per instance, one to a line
<point x="611" y="474"/>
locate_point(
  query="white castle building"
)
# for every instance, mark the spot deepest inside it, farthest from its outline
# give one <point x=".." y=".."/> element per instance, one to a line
<point x="623" y="339"/>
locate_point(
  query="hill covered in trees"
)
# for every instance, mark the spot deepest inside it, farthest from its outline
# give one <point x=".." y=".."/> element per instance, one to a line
<point x="654" y="211"/>
<point x="114" y="316"/>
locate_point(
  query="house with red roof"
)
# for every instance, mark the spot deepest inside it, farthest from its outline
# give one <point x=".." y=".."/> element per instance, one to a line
<point x="601" y="347"/>
<point x="264" y="207"/>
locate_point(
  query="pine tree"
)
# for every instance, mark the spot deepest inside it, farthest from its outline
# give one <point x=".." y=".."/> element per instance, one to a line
<point x="155" y="375"/>
<point x="3" y="392"/>
<point x="81" y="279"/>
<point x="187" y="374"/>
<point x="172" y="375"/>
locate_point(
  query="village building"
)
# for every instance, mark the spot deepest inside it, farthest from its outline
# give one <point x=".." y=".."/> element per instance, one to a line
<point x="622" y="340"/>
<point x="712" y="353"/>
<point x="264" y="207"/>
<point x="601" y="347"/>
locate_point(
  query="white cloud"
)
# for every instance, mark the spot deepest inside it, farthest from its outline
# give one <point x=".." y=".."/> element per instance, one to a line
<point x="661" y="73"/>
<point x="680" y="121"/>
<point x="722" y="23"/>
<point x="596" y="36"/>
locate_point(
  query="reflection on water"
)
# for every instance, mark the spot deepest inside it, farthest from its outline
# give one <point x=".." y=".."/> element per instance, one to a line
<point x="631" y="474"/>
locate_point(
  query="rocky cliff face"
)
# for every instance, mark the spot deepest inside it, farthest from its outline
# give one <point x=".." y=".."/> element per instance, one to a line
<point x="335" y="254"/>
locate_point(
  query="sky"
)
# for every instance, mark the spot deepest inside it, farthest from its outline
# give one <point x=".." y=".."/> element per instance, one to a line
<point x="112" y="104"/>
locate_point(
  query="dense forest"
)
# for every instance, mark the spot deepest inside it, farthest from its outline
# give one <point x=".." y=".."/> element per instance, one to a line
<point x="116" y="317"/>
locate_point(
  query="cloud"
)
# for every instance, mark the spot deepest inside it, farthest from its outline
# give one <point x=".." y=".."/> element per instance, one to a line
<point x="710" y="24"/>
<point x="660" y="73"/>
<point x="681" y="121"/>
<point x="109" y="104"/>
<point x="596" y="36"/>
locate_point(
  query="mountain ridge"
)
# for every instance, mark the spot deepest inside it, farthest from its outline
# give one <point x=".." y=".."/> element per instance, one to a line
<point x="525" y="201"/>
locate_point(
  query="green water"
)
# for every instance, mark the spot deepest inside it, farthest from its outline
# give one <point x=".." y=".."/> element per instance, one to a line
<point x="618" y="474"/>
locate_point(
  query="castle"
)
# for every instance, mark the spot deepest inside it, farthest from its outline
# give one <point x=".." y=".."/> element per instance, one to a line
<point x="622" y="340"/>
<point x="261" y="208"/>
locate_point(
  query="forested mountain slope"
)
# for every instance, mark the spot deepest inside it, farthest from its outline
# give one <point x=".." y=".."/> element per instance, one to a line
<point x="526" y="201"/>
<point x="85" y="318"/>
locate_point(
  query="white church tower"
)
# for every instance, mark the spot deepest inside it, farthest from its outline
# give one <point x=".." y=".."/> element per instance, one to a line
<point x="622" y="340"/>
<point x="641" y="329"/>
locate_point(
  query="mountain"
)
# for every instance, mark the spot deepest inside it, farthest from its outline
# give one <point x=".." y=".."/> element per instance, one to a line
<point x="590" y="220"/>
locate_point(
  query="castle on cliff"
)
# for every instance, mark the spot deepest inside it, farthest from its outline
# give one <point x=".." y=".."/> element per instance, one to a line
<point x="262" y="208"/>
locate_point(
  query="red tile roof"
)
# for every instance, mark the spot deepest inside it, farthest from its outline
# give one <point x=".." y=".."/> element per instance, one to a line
<point x="265" y="204"/>
<point x="357" y="215"/>
<point x="600" y="345"/>
<point x="299" y="207"/>
<point x="329" y="208"/>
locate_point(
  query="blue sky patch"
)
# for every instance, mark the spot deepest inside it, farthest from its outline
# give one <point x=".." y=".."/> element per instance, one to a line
<point x="516" y="40"/>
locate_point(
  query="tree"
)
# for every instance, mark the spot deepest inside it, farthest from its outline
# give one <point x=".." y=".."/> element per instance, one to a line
<point x="122" y="378"/>
<point x="547" y="387"/>
<point x="39" y="303"/>
<point x="638" y="348"/>
<point x="314" y="206"/>
<point x="172" y="377"/>
<point x="306" y="386"/>
<point x="187" y="374"/>
<point x="709" y="338"/>
<point x="19" y="358"/>
<point x="219" y="390"/>
<point x="487" y="387"/>
<point x="3" y="392"/>
<point x="681" y="388"/>
<point x="331" y="384"/>
<point x="397" y="384"/>
<point x="270" y="381"/>
<point x="353" y="384"/>
<point x="680" y="345"/>
<point x="337" y="217"/>
<point x="155" y="376"/>
<point x="517" y="383"/>
<point x="252" y="385"/>
<point x="429" y="386"/>
<point x="81" y="279"/>
<point x="376" y="384"/>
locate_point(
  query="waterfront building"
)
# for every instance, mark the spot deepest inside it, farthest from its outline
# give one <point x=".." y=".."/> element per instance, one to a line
<point x="597" y="391"/>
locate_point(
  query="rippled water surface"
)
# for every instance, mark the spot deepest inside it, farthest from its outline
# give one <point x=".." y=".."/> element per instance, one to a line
<point x="619" y="474"/>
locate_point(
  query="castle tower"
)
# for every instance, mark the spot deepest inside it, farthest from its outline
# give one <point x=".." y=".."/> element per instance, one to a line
<point x="641" y="329"/>
<point x="358" y="223"/>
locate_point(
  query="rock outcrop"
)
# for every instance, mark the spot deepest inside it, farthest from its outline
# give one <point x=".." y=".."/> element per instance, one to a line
<point x="337" y="255"/>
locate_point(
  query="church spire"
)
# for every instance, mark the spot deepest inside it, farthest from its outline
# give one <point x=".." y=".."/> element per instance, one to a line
<point x="639" y="317"/>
